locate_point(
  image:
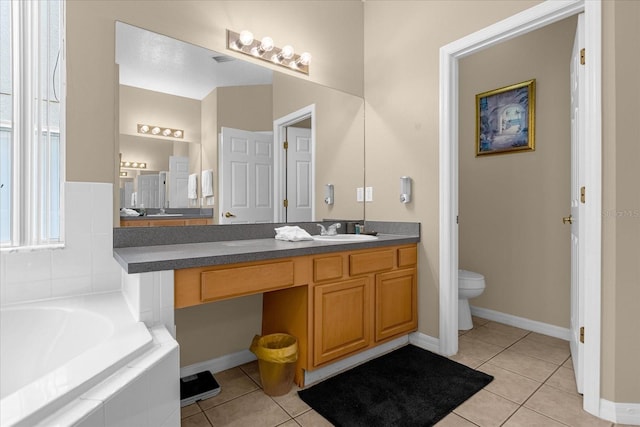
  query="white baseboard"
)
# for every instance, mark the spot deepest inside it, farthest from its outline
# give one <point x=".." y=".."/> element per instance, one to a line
<point x="620" y="413"/>
<point x="521" y="322"/>
<point x="219" y="364"/>
<point x="424" y="341"/>
<point x="311" y="377"/>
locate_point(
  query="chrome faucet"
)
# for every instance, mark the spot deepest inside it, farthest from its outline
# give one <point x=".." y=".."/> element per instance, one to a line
<point x="332" y="231"/>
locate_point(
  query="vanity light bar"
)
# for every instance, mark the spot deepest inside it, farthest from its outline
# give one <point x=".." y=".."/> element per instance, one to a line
<point x="264" y="49"/>
<point x="124" y="173"/>
<point x="160" y="131"/>
<point x="133" y="165"/>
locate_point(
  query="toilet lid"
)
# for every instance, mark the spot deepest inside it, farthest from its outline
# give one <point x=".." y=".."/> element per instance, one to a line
<point x="469" y="275"/>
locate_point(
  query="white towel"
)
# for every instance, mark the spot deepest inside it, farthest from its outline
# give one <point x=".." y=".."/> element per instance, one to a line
<point x="192" y="188"/>
<point x="207" y="183"/>
<point x="292" y="233"/>
<point x="133" y="198"/>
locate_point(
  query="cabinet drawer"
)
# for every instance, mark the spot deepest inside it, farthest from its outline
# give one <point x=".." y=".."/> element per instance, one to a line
<point x="407" y="256"/>
<point x="327" y="268"/>
<point x="369" y="262"/>
<point x="229" y="282"/>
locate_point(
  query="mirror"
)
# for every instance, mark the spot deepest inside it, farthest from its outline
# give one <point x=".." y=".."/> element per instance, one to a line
<point x="215" y="101"/>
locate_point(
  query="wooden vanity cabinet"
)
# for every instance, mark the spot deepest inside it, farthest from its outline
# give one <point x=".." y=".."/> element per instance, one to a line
<point x="165" y="222"/>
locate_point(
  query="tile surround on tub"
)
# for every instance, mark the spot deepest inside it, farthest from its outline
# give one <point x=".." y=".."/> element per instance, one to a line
<point x="84" y="265"/>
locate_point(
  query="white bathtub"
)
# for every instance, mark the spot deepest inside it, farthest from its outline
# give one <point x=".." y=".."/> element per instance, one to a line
<point x="51" y="352"/>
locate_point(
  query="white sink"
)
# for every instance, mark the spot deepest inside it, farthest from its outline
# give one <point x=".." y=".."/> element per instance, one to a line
<point x="345" y="238"/>
<point x="164" y="214"/>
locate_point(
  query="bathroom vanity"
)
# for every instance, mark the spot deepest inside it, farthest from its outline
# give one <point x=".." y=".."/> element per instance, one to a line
<point x="336" y="298"/>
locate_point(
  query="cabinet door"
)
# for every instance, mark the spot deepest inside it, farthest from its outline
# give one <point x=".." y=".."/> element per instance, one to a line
<point x="342" y="319"/>
<point x="396" y="303"/>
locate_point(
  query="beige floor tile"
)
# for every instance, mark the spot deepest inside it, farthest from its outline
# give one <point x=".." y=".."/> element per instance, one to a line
<point x="312" y="419"/>
<point x="527" y="418"/>
<point x="508" y="384"/>
<point x="568" y="363"/>
<point x="562" y="406"/>
<point x="454" y="420"/>
<point x="530" y="367"/>
<point x="198" y="420"/>
<point x="564" y="379"/>
<point x="292" y="403"/>
<point x="189" y="410"/>
<point x="477" y="349"/>
<point x="510" y="331"/>
<point x="466" y="360"/>
<point x="233" y="383"/>
<point x="290" y="423"/>
<point x="479" y="321"/>
<point x="493" y="337"/>
<point x="253" y="409"/>
<point x="549" y="352"/>
<point x="547" y="340"/>
<point x="486" y="409"/>
<point x="252" y="370"/>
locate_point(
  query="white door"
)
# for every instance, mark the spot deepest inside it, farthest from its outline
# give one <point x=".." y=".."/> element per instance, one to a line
<point x="298" y="192"/>
<point x="178" y="182"/>
<point x="246" y="177"/>
<point x="577" y="206"/>
<point x="148" y="191"/>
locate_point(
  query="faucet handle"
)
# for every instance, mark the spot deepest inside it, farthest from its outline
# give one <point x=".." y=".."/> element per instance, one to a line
<point x="323" y="231"/>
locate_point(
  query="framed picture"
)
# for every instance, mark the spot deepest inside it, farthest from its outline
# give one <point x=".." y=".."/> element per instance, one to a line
<point x="505" y="119"/>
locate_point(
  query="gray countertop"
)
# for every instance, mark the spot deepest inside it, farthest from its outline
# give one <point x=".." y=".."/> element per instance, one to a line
<point x="141" y="259"/>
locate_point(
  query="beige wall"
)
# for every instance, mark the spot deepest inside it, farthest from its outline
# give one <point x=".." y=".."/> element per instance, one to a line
<point x="246" y="107"/>
<point x="621" y="203"/>
<point x="510" y="205"/>
<point x="401" y="95"/>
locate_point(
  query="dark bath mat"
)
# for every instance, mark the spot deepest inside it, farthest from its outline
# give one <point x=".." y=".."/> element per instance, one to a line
<point x="407" y="387"/>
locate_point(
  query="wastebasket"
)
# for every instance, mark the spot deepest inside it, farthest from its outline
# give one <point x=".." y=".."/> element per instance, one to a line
<point x="277" y="355"/>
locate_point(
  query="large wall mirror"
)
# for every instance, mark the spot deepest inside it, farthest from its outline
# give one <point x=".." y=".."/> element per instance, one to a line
<point x="221" y="123"/>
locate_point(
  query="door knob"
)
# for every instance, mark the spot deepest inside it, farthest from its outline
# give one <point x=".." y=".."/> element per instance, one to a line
<point x="228" y="215"/>
<point x="567" y="219"/>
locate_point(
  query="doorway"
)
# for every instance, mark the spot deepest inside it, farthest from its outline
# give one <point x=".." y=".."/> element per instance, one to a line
<point x="529" y="20"/>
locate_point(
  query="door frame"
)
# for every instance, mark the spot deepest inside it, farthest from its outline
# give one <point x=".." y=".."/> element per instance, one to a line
<point x="279" y="134"/>
<point x="531" y="19"/>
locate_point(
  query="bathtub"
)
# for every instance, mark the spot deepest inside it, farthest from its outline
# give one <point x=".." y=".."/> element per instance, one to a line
<point x="51" y="352"/>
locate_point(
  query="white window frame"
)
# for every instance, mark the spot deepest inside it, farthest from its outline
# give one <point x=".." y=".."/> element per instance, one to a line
<point x="30" y="205"/>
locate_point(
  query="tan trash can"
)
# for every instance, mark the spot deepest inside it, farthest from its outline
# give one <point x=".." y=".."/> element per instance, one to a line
<point x="277" y="356"/>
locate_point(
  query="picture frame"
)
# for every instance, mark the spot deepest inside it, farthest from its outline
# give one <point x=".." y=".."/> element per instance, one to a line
<point x="505" y="119"/>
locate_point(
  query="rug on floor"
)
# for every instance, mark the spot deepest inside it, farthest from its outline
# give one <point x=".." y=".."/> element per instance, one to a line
<point x="407" y="387"/>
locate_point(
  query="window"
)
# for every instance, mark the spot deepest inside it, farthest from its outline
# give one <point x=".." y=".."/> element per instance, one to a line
<point x="31" y="122"/>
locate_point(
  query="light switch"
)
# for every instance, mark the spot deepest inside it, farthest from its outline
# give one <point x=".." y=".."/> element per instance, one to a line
<point x="360" y="194"/>
<point x="368" y="194"/>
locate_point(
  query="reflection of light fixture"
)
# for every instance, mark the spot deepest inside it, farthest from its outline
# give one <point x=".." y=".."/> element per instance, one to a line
<point x="266" y="50"/>
<point x="124" y="173"/>
<point x="160" y="131"/>
<point x="133" y="165"/>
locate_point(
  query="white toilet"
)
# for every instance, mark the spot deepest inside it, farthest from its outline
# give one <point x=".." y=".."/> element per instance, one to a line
<point x="470" y="285"/>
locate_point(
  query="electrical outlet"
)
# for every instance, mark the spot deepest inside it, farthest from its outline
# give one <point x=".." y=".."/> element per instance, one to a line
<point x="368" y="194"/>
<point x="359" y="194"/>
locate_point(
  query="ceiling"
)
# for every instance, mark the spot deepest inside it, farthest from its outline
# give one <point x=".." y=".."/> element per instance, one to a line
<point x="159" y="63"/>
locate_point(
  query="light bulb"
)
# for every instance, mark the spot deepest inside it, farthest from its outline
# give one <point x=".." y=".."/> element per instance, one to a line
<point x="166" y="132"/>
<point x="304" y="59"/>
<point x="155" y="130"/>
<point x="266" y="44"/>
<point x="177" y="133"/>
<point x="144" y="129"/>
<point x="246" y="38"/>
<point x="287" y="52"/>
<point x="127" y="164"/>
<point x="143" y="165"/>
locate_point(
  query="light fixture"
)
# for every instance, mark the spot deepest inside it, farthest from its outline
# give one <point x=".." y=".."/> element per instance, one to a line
<point x="265" y="49"/>
<point x="160" y="131"/>
<point x="132" y="165"/>
<point x="124" y="174"/>
<point x="405" y="189"/>
<point x="328" y="194"/>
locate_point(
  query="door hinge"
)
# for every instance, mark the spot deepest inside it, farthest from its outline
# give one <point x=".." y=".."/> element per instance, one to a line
<point x="582" y="334"/>
<point x="583" y="191"/>
<point x="457" y="219"/>
<point x="286" y="145"/>
<point x="582" y="55"/>
<point x="285" y="203"/>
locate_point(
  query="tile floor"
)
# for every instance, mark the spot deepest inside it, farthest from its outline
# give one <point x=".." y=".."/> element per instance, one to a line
<point x="534" y="385"/>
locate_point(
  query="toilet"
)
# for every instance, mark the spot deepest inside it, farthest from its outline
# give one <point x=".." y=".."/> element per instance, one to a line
<point x="470" y="285"/>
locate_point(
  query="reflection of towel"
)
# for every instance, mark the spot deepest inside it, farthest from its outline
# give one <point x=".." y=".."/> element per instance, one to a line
<point x="207" y="183"/>
<point x="133" y="198"/>
<point x="192" y="189"/>
<point x="129" y="212"/>
<point x="292" y="233"/>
